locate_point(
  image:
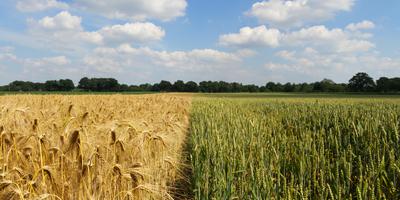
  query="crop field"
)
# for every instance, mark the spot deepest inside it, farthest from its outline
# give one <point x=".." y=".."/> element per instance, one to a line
<point x="295" y="148"/>
<point x="186" y="146"/>
<point x="91" y="147"/>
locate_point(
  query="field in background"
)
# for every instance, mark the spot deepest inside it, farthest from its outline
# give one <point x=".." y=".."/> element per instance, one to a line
<point x="91" y="147"/>
<point x="290" y="147"/>
<point x="2" y="93"/>
<point x="277" y="95"/>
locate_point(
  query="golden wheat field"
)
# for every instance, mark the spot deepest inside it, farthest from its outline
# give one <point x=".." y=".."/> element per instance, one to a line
<point x="91" y="147"/>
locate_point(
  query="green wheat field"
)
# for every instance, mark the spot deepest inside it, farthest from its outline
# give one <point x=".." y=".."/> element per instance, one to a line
<point x="282" y="147"/>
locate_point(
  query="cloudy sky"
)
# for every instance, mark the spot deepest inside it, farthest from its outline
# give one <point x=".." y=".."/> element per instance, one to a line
<point x="251" y="41"/>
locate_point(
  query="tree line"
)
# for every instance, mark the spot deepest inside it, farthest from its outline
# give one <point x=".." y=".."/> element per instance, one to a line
<point x="361" y="82"/>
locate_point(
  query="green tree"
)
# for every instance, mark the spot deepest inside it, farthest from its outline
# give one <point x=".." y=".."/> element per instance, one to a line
<point x="66" y="85"/>
<point x="179" y="86"/>
<point x="165" y="86"/>
<point x="191" y="86"/>
<point x="361" y="82"/>
<point x="84" y="83"/>
<point x="383" y="84"/>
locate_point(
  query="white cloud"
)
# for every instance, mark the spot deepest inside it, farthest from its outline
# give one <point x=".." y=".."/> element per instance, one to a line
<point x="296" y="13"/>
<point x="312" y="64"/>
<point x="91" y="37"/>
<point x="62" y="21"/>
<point x="197" y="59"/>
<point x="258" y="36"/>
<point x="46" y="61"/>
<point x="132" y="32"/>
<point x="65" y="30"/>
<point x="56" y="66"/>
<point x="39" y="5"/>
<point x="37" y="69"/>
<point x="138" y="10"/>
<point x="58" y="60"/>
<point x="354" y="46"/>
<point x="103" y="64"/>
<point x="7" y="56"/>
<point x="361" y="26"/>
<point x="6" y="49"/>
<point x="336" y="40"/>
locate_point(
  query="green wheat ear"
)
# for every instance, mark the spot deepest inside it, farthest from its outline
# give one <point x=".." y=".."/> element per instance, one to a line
<point x="294" y="148"/>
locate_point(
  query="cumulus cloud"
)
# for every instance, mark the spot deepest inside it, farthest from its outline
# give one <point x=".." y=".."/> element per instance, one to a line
<point x="360" y="26"/>
<point x="39" y="5"/>
<point x="197" y="59"/>
<point x="45" y="63"/>
<point x="337" y="40"/>
<point x="57" y="66"/>
<point x="138" y="10"/>
<point x="137" y="32"/>
<point x="65" y="30"/>
<point x="62" y="31"/>
<point x="296" y="13"/>
<point x="258" y="36"/>
<point x="62" y="21"/>
<point x="311" y="64"/>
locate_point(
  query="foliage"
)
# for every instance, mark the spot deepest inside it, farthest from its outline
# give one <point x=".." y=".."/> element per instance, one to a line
<point x="99" y="84"/>
<point x="361" y="82"/>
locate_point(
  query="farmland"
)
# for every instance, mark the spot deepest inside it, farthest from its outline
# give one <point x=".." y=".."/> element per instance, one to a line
<point x="295" y="148"/>
<point x="199" y="146"/>
<point x="91" y="147"/>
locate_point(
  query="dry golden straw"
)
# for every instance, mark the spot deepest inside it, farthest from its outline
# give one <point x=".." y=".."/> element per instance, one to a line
<point x="91" y="147"/>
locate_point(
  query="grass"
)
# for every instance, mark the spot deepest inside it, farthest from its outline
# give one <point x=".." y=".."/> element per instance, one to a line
<point x="295" y="148"/>
<point x="300" y="95"/>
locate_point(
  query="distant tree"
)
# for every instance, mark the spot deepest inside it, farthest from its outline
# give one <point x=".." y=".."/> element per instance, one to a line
<point x="60" y="85"/>
<point x="191" y="87"/>
<point x="271" y="86"/>
<point x="385" y="84"/>
<point x="51" y="85"/>
<point x="84" y="83"/>
<point x="305" y="87"/>
<point x="252" y="88"/>
<point x="236" y="87"/>
<point x="222" y="86"/>
<point x="395" y="84"/>
<point x="208" y="87"/>
<point x="99" y="84"/>
<point x="288" y="87"/>
<point x="361" y="82"/>
<point x="179" y="86"/>
<point x="165" y="86"/>
<point x="123" y="88"/>
<point x="155" y="87"/>
<point x="146" y="87"/>
<point x="263" y="89"/>
<point x="21" y="86"/>
<point x="134" y="88"/>
<point x="66" y="85"/>
<point x="327" y="85"/>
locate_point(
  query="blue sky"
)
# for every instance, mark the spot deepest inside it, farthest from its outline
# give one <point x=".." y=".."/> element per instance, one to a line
<point x="252" y="41"/>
